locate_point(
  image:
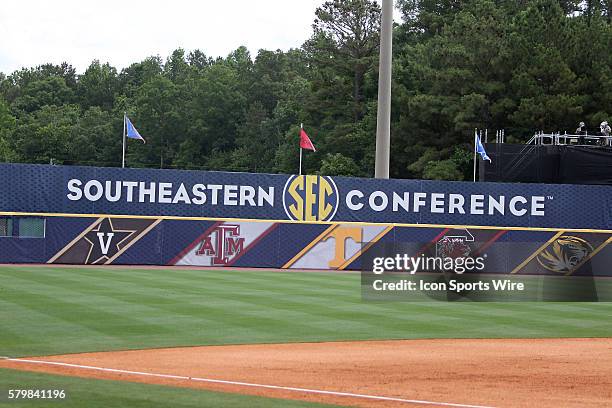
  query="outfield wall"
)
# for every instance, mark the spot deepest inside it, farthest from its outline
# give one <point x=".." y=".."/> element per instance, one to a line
<point x="87" y="215"/>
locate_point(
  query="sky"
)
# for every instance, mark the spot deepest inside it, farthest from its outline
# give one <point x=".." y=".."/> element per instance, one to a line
<point x="122" y="32"/>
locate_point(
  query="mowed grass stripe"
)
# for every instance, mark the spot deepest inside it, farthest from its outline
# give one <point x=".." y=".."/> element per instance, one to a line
<point x="293" y="305"/>
<point x="254" y="279"/>
<point x="79" y="309"/>
<point x="339" y="311"/>
<point x="37" y="321"/>
<point x="78" y="320"/>
<point x="103" y="309"/>
<point x="216" y="304"/>
<point x="251" y="321"/>
<point x="533" y="320"/>
<point x="168" y="321"/>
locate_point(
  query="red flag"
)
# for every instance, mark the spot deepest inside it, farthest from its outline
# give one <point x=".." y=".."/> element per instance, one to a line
<point x="305" y="142"/>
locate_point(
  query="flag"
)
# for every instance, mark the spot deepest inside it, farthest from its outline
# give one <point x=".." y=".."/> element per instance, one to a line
<point x="305" y="142"/>
<point x="480" y="149"/>
<point x="130" y="130"/>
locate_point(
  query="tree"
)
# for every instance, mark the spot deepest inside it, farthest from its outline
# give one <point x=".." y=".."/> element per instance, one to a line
<point x="198" y="60"/>
<point x="545" y="87"/>
<point x="346" y="39"/>
<point x="7" y="127"/>
<point x="137" y="74"/>
<point x="97" y="138"/>
<point x="428" y="17"/>
<point x="339" y="165"/>
<point x="442" y="170"/>
<point x="451" y="82"/>
<point x="51" y="91"/>
<point x="176" y="68"/>
<point x="46" y="135"/>
<point x="158" y="110"/>
<point x="97" y="86"/>
<point x="19" y="81"/>
<point x="255" y="144"/>
<point x="212" y="114"/>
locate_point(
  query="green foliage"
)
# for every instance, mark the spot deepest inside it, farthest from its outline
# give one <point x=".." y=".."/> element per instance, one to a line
<point x="52" y="91"/>
<point x="47" y="135"/>
<point x="344" y="47"/>
<point x="97" y="86"/>
<point x="7" y="127"/>
<point x="522" y="66"/>
<point x="442" y="170"/>
<point x="339" y="165"/>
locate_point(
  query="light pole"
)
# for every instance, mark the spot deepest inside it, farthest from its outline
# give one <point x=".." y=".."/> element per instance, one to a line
<point x="383" y="127"/>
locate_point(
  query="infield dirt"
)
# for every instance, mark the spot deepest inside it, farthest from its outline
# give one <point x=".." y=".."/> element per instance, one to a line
<point x="501" y="372"/>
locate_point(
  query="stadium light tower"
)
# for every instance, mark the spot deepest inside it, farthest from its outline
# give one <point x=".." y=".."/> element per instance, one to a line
<point x="383" y="122"/>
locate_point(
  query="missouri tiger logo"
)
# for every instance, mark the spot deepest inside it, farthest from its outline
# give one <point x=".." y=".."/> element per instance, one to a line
<point x="310" y="198"/>
<point x="565" y="254"/>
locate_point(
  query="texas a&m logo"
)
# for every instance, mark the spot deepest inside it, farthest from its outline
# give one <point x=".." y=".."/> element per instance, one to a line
<point x="222" y="244"/>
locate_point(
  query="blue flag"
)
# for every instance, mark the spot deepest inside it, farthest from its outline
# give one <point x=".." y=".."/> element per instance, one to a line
<point x="480" y="149"/>
<point x="131" y="132"/>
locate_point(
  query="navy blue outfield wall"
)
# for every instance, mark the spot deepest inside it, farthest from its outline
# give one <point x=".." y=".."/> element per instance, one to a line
<point x="112" y="191"/>
<point x="86" y="215"/>
<point x="294" y="246"/>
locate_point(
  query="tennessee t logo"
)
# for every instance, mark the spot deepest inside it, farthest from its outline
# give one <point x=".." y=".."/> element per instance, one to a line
<point x="340" y="235"/>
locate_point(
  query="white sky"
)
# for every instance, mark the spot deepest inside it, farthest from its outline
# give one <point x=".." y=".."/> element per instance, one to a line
<point x="121" y="32"/>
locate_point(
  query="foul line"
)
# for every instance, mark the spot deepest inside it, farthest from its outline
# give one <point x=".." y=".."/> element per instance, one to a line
<point x="245" y="384"/>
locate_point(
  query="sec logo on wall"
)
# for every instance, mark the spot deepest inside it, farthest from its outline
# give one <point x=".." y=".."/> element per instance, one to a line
<point x="310" y="198"/>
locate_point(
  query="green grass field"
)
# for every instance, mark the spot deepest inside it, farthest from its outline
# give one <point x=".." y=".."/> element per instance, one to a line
<point x="68" y="310"/>
<point x="103" y="394"/>
<point x="56" y="310"/>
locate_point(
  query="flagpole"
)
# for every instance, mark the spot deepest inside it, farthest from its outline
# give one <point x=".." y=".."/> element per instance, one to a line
<point x="302" y="128"/>
<point x="123" y="157"/>
<point x="475" y="147"/>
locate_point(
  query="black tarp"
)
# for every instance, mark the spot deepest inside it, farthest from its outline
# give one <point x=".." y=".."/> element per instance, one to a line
<point x="547" y="164"/>
<point x="585" y="165"/>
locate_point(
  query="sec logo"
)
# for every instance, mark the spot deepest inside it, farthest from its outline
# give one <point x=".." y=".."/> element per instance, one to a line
<point x="310" y="198"/>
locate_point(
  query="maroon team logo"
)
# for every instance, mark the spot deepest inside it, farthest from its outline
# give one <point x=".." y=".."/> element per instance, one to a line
<point x="222" y="244"/>
<point x="455" y="246"/>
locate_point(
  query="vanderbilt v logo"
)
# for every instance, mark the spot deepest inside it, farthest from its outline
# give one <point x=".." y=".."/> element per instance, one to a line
<point x="104" y="241"/>
<point x="105" y="246"/>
